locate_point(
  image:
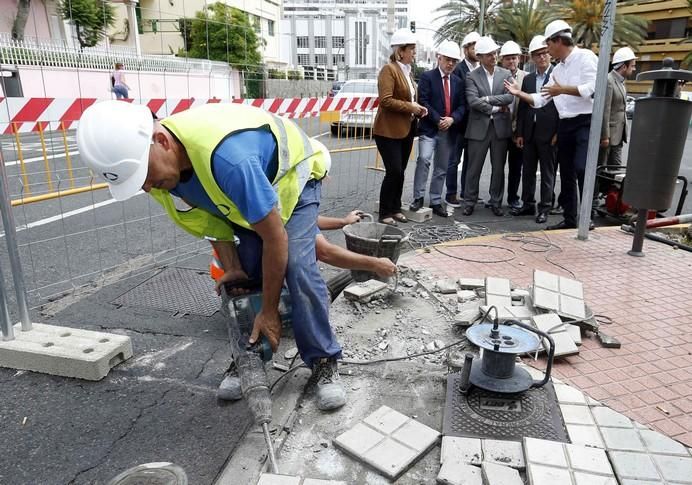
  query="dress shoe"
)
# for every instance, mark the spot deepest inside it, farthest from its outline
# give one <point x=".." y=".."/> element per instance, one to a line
<point x="399" y="217"/>
<point x="561" y="225"/>
<point x="515" y="204"/>
<point x="468" y="211"/>
<point x="416" y="204"/>
<point x="542" y="218"/>
<point x="556" y="211"/>
<point x="453" y="201"/>
<point x="527" y="210"/>
<point x="487" y="205"/>
<point x="497" y="211"/>
<point x="438" y="210"/>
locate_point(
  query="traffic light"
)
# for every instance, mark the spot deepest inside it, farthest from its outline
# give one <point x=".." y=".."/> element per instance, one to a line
<point x="413" y="26"/>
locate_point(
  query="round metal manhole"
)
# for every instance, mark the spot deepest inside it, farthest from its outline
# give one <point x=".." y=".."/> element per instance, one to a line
<point x="511" y="411"/>
<point x="161" y="473"/>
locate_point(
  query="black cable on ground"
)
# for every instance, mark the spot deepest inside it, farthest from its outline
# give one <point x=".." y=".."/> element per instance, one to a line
<point x="471" y="260"/>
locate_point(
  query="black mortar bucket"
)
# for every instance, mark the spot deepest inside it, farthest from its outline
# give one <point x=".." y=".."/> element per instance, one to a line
<point x="373" y="239"/>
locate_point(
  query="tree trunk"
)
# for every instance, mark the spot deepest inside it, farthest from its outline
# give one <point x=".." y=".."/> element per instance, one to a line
<point x="23" y="8"/>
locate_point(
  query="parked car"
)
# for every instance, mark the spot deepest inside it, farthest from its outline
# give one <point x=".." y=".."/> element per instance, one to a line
<point x="336" y="87"/>
<point x="360" y="121"/>
<point x="629" y="107"/>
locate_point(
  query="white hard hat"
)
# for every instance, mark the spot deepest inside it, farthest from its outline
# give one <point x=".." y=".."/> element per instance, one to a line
<point x="510" y="48"/>
<point x="623" y="54"/>
<point x="537" y="43"/>
<point x="449" y="48"/>
<point x="556" y="27"/>
<point x="470" y="38"/>
<point x="114" y="139"/>
<point x="486" y="45"/>
<point x="402" y="36"/>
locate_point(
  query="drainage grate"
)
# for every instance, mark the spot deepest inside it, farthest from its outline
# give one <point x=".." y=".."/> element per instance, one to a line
<point x="177" y="290"/>
<point x="484" y="414"/>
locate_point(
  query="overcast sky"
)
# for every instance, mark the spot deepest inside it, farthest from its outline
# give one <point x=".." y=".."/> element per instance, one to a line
<point x="423" y="12"/>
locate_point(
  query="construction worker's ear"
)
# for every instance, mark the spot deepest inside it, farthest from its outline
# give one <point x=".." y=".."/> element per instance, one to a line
<point x="160" y="138"/>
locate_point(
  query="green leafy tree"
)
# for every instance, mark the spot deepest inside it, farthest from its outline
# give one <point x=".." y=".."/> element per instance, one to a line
<point x="91" y="18"/>
<point x="223" y="33"/>
<point x="463" y="16"/>
<point x="585" y="17"/>
<point x="521" y="21"/>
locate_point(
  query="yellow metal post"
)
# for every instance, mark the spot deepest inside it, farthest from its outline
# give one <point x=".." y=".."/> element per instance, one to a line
<point x="49" y="179"/>
<point x="20" y="158"/>
<point x="68" y="160"/>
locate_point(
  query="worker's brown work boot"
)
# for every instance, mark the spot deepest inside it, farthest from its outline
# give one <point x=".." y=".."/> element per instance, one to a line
<point x="330" y="392"/>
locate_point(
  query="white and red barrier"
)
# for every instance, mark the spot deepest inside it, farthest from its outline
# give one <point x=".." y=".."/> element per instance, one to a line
<point x="25" y="115"/>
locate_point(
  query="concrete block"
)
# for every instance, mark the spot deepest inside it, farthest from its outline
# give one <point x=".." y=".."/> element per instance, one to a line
<point x="503" y="313"/>
<point x="365" y="291"/>
<point x="467" y="316"/>
<point x="271" y="479"/>
<point x="464" y="450"/>
<point x="564" y="345"/>
<point x="606" y="417"/>
<point x="674" y="468"/>
<point x="628" y="481"/>
<point x="471" y="283"/>
<point x="446" y="286"/>
<point x="658" y="443"/>
<point x="546" y="280"/>
<point x="628" y="464"/>
<point x="455" y="473"/>
<point x="576" y="414"/>
<point x="466" y="295"/>
<point x="591" y="460"/>
<point x="315" y="481"/>
<point x="520" y="295"/>
<point x="508" y="453"/>
<point x="544" y="452"/>
<point x="546" y="299"/>
<point x="521" y="312"/>
<point x="498" y="286"/>
<point x="498" y="300"/>
<point x="569" y="395"/>
<point x="581" y="478"/>
<point x="494" y="474"/>
<point x="585" y="435"/>
<point x="388" y="442"/>
<point x="571" y="288"/>
<point x="574" y="333"/>
<point x="64" y="351"/>
<point x="622" y="439"/>
<point x="572" y="307"/>
<point x="422" y="215"/>
<point x="545" y="475"/>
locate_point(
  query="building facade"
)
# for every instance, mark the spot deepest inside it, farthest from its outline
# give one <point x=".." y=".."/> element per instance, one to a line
<point x="349" y="35"/>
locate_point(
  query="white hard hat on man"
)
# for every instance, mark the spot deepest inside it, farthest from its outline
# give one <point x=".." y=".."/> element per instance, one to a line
<point x="486" y="45"/>
<point x="470" y="38"/>
<point x="623" y="54"/>
<point x="114" y="138"/>
<point x="510" y="48"/>
<point x="537" y="43"/>
<point x="449" y="48"/>
<point x="557" y="28"/>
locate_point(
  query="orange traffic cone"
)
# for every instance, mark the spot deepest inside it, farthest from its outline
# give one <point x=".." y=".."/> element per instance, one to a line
<point x="215" y="268"/>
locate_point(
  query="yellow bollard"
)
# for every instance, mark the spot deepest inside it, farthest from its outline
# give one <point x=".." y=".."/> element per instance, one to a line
<point x="68" y="160"/>
<point x="20" y="157"/>
<point x="49" y="179"/>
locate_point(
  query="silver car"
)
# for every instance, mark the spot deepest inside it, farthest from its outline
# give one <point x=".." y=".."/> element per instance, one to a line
<point x="629" y="107"/>
<point x="357" y="121"/>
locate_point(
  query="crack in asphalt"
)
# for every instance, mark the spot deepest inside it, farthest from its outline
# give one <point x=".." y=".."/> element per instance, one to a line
<point x="204" y="365"/>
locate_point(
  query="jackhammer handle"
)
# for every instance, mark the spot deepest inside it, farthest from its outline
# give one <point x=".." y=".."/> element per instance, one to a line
<point x="551" y="351"/>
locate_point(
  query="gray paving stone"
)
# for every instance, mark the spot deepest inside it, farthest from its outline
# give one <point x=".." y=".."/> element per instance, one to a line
<point x="585" y="435"/>
<point x="498" y="286"/>
<point x="581" y="478"/>
<point x="628" y="464"/>
<point x="547" y="475"/>
<point x="569" y="395"/>
<point x="494" y="474"/>
<point x="359" y="439"/>
<point x="416" y="435"/>
<point x="546" y="299"/>
<point x="591" y="460"/>
<point x="386" y="420"/>
<point x="574" y="332"/>
<point x="446" y="286"/>
<point x="455" y="473"/>
<point x="365" y="290"/>
<point x="658" y="443"/>
<point x="628" y="481"/>
<point x="508" y="453"/>
<point x="674" y="468"/>
<point x="466" y="295"/>
<point x="498" y="301"/>
<point x="271" y="479"/>
<point x="314" y="481"/>
<point x="521" y="312"/>
<point x="621" y="439"/>
<point x="390" y="457"/>
<point x="573" y="307"/>
<point x="571" y="288"/>
<point x="544" y="452"/>
<point x="463" y="450"/>
<point x="471" y="283"/>
<point x="576" y="414"/>
<point x="605" y="416"/>
<point x="546" y="280"/>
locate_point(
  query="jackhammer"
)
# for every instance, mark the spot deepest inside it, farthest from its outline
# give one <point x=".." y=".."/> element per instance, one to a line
<point x="249" y="359"/>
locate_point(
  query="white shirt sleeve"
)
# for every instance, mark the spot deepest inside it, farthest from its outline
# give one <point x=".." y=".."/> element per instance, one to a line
<point x="589" y="68"/>
<point x="539" y="100"/>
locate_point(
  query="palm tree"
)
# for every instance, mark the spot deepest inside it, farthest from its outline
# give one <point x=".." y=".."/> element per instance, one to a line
<point x="463" y="16"/>
<point x="521" y="21"/>
<point x="585" y="18"/>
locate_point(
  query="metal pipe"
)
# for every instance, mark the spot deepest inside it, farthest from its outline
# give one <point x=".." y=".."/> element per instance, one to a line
<point x="5" y="321"/>
<point x="270" y="449"/>
<point x="639" y="231"/>
<point x="60" y="193"/>
<point x="12" y="249"/>
<point x="669" y="221"/>
<point x="608" y="25"/>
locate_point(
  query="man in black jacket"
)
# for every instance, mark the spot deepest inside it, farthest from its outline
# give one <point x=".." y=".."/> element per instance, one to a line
<point x="536" y="133"/>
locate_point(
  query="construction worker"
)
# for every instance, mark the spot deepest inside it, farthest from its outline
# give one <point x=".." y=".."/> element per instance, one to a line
<point x="331" y="253"/>
<point x="510" y="56"/>
<point x="571" y="85"/>
<point x="246" y="172"/>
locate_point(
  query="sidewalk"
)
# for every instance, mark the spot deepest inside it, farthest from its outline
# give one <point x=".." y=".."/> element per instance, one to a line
<point x="649" y="300"/>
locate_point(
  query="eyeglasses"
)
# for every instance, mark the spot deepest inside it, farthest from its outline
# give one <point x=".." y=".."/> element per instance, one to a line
<point x="541" y="54"/>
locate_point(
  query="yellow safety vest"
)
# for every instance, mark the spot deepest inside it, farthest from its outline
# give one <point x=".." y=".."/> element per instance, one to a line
<point x="202" y="129"/>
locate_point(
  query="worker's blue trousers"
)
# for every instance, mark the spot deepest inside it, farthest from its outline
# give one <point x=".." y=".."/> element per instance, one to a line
<point x="309" y="296"/>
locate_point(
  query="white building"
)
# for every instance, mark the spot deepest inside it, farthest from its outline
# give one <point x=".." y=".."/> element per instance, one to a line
<point x="350" y="35"/>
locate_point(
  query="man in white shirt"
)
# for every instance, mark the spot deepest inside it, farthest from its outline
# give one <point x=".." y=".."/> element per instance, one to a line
<point x="571" y="86"/>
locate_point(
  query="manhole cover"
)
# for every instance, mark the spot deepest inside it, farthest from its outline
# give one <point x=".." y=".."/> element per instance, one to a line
<point x="484" y="414"/>
<point x="176" y="290"/>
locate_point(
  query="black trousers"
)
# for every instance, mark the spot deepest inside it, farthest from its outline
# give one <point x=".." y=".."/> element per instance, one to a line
<point x="572" y="145"/>
<point x="538" y="154"/>
<point x="514" y="162"/>
<point x="395" y="153"/>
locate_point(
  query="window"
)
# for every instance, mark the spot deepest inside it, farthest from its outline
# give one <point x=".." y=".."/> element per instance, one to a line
<point x="304" y="59"/>
<point x="302" y="42"/>
<point x="270" y="27"/>
<point x="256" y="24"/>
<point x="320" y="42"/>
<point x="669" y="28"/>
<point x="338" y="59"/>
<point x="361" y="42"/>
<point x="337" y="42"/>
<point x="320" y="59"/>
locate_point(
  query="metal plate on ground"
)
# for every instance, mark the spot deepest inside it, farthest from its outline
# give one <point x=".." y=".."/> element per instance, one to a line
<point x="484" y="414"/>
<point x="177" y="290"/>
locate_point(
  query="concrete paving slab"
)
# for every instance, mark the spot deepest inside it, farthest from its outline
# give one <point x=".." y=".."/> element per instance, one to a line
<point x="466" y="295"/>
<point x="464" y="450"/>
<point x="455" y="473"/>
<point x="545" y="475"/>
<point x="585" y="435"/>
<point x="566" y="463"/>
<point x="606" y="417"/>
<point x="508" y="453"/>
<point x="572" y="307"/>
<point x="65" y="351"/>
<point x="471" y="283"/>
<point x="446" y="286"/>
<point x="591" y="460"/>
<point x="628" y="464"/>
<point x="657" y="443"/>
<point x="544" y="452"/>
<point x="546" y="299"/>
<point x="421" y="215"/>
<point x="569" y="395"/>
<point x="271" y="479"/>
<point x="498" y="300"/>
<point x="498" y="286"/>
<point x="581" y="478"/>
<point x="576" y="414"/>
<point x="575" y="333"/>
<point x="571" y="288"/>
<point x="674" y="468"/>
<point x="494" y="474"/>
<point x="364" y="291"/>
<point x="546" y="280"/>
<point x="622" y="439"/>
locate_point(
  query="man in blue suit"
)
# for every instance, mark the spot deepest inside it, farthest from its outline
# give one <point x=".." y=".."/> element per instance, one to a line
<point x="442" y="93"/>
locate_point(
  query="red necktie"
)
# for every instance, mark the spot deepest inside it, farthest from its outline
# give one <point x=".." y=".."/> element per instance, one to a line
<point x="448" y="102"/>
